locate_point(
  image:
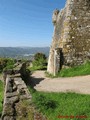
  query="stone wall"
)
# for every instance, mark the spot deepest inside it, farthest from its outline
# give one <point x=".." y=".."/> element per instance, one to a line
<point x="17" y="103"/>
<point x="15" y="92"/>
<point x="71" y="34"/>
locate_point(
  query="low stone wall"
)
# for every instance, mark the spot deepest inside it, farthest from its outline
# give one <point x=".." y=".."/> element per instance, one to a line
<point x="15" y="91"/>
<point x="17" y="103"/>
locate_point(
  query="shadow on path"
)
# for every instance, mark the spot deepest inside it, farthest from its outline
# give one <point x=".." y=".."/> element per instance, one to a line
<point x="34" y="81"/>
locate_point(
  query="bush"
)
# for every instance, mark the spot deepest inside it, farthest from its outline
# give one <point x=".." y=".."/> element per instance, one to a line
<point x="38" y="56"/>
<point x="6" y="63"/>
<point x="39" y="62"/>
<point x="3" y="62"/>
<point x="10" y="64"/>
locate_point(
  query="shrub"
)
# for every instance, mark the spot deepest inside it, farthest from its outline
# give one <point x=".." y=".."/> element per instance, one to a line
<point x="9" y="64"/>
<point x="6" y="63"/>
<point x="39" y="62"/>
<point x="38" y="56"/>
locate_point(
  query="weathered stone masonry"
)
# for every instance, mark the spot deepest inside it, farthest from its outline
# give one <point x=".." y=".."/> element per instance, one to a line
<point x="17" y="103"/>
<point x="15" y="92"/>
<point x="71" y="35"/>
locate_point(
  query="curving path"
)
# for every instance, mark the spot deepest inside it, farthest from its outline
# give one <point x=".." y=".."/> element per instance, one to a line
<point x="79" y="84"/>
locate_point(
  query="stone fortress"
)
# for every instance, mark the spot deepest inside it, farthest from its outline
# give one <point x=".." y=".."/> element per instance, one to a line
<point x="71" y="40"/>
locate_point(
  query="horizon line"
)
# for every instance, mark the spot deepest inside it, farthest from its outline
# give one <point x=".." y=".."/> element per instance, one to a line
<point x="25" y="46"/>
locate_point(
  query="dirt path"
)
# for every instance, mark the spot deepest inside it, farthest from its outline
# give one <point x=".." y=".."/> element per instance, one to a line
<point x="79" y="84"/>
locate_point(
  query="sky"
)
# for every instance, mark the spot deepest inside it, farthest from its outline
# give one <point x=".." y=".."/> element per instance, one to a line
<point x="27" y="22"/>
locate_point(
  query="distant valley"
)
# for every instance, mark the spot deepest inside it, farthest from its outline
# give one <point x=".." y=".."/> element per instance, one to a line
<point x="22" y="52"/>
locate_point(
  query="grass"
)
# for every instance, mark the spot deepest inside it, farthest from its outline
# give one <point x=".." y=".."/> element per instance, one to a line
<point x="80" y="70"/>
<point x="75" y="71"/>
<point x="24" y="111"/>
<point x="49" y="75"/>
<point x="54" y="105"/>
<point x="34" y="68"/>
<point x="1" y="96"/>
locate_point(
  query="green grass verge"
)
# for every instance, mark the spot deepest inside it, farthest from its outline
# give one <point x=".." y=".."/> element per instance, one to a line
<point x="62" y="104"/>
<point x="1" y="96"/>
<point x="75" y="71"/>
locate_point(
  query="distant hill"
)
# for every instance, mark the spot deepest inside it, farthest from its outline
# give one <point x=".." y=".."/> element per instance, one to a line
<point x="22" y="52"/>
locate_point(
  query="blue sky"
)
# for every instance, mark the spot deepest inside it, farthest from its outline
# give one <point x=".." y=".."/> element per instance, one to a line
<point x="27" y="22"/>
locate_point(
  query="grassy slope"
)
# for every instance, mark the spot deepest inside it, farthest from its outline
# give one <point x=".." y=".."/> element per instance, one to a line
<point x="1" y="95"/>
<point x="65" y="104"/>
<point x="75" y="71"/>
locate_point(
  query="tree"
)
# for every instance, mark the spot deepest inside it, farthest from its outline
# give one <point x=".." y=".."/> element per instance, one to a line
<point x="39" y="56"/>
<point x="40" y="61"/>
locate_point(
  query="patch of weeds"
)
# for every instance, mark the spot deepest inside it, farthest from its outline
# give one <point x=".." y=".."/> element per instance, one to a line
<point x="24" y="111"/>
<point x="49" y="75"/>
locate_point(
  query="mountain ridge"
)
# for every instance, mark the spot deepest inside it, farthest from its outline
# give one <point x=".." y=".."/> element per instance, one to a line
<point x="21" y="51"/>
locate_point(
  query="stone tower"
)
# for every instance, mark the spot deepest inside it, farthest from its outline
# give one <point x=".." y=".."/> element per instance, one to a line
<point x="71" y="39"/>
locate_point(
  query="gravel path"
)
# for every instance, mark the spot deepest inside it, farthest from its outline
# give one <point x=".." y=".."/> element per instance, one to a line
<point x="79" y="84"/>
